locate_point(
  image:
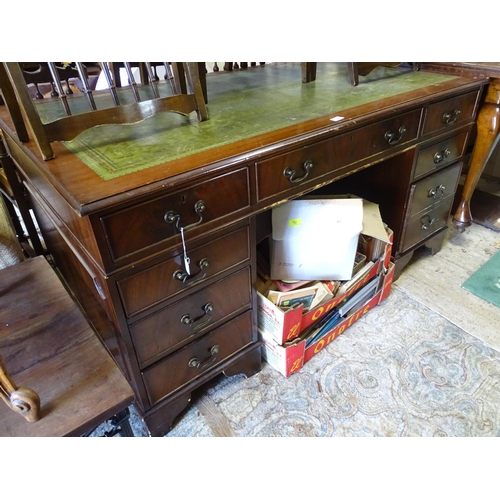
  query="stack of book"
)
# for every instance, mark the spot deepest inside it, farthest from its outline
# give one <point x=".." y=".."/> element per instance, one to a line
<point x="348" y="306"/>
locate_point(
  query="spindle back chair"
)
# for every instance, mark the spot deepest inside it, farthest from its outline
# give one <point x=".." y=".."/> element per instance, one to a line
<point x="148" y="100"/>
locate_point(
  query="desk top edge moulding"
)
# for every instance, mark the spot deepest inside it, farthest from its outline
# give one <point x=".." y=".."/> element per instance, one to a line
<point x="113" y="202"/>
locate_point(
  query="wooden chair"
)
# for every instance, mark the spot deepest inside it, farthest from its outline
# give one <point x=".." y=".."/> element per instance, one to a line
<point x="354" y="68"/>
<point x="55" y="371"/>
<point x="173" y="74"/>
<point x="40" y="80"/>
<point x="365" y="68"/>
<point x="119" y="111"/>
<point x="16" y="200"/>
<point x="229" y="66"/>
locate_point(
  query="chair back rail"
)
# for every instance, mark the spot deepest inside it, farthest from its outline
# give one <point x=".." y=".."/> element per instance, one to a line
<point x="184" y="100"/>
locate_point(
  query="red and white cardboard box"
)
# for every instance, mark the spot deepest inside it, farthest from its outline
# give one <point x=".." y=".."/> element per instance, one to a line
<point x="290" y="358"/>
<point x="283" y="326"/>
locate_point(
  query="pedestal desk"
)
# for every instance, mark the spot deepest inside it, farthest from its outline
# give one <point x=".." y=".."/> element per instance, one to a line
<point x="112" y="203"/>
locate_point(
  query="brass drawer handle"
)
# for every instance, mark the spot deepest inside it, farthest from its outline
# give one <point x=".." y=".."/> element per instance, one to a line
<point x="391" y="137"/>
<point x="187" y="320"/>
<point x="437" y="192"/>
<point x="184" y="276"/>
<point x="430" y="222"/>
<point x="440" y="156"/>
<point x="201" y="365"/>
<point x="290" y="172"/>
<point x="172" y="216"/>
<point x="449" y="118"/>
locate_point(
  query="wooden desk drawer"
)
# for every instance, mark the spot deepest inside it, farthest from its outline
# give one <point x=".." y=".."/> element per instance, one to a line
<point x="187" y="319"/>
<point x="379" y="137"/>
<point x="144" y="225"/>
<point x="439" y="155"/>
<point x="165" y="280"/>
<point x="192" y="361"/>
<point x="449" y="112"/>
<point x="433" y="189"/>
<point x="426" y="224"/>
<point x="284" y="172"/>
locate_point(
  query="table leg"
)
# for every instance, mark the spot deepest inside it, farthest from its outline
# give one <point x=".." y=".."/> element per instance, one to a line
<point x="488" y="126"/>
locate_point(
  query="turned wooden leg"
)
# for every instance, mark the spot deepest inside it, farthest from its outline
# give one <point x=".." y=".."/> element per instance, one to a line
<point x="488" y="126"/>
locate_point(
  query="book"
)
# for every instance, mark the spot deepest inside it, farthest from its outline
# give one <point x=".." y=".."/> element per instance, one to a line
<point x="361" y="296"/>
<point x="347" y="286"/>
<point x="285" y="300"/>
<point x="322" y="294"/>
<point x="287" y="286"/>
<point x="315" y="331"/>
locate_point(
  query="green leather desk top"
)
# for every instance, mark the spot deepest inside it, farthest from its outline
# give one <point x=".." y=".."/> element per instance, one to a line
<point x="241" y="104"/>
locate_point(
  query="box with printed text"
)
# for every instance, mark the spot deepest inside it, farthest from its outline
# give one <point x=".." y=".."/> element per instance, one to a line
<point x="290" y="357"/>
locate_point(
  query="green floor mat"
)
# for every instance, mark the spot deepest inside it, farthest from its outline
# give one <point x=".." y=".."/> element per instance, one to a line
<point x="485" y="282"/>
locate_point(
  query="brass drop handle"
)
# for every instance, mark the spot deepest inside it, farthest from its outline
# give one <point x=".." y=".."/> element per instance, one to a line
<point x="441" y="155"/>
<point x="430" y="223"/>
<point x="290" y="173"/>
<point x="201" y="365"/>
<point x="183" y="276"/>
<point x="451" y="117"/>
<point x="187" y="320"/>
<point x="172" y="216"/>
<point x="437" y="192"/>
<point x="392" y="138"/>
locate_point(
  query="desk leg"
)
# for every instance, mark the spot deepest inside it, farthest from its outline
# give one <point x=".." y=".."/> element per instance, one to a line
<point x="488" y="126"/>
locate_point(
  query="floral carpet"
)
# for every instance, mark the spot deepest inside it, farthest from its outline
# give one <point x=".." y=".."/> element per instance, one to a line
<point x="401" y="370"/>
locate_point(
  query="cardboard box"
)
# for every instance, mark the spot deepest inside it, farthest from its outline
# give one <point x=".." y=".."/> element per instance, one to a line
<point x="315" y="239"/>
<point x="292" y="356"/>
<point x="285" y="325"/>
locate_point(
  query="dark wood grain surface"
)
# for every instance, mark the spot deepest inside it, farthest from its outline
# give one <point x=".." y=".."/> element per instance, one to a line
<point x="47" y="345"/>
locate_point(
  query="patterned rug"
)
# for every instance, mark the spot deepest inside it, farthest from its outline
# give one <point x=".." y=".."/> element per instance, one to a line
<point x="401" y="370"/>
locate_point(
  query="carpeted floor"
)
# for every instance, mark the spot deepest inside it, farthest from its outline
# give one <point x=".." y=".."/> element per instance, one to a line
<point x="426" y="362"/>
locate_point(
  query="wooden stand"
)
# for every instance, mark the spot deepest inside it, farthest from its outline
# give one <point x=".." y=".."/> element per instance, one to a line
<point x="48" y="346"/>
